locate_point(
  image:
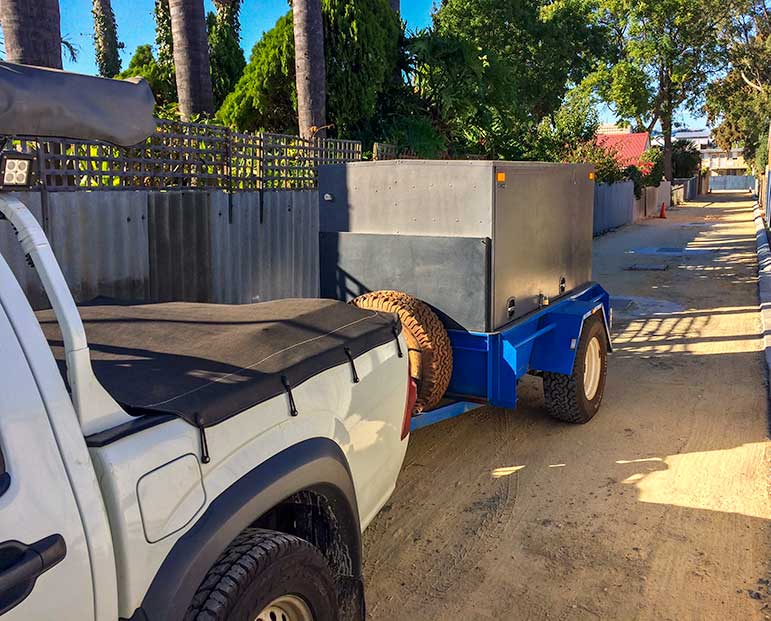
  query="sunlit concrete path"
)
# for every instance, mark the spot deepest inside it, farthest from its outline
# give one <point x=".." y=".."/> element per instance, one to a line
<point x="656" y="509"/>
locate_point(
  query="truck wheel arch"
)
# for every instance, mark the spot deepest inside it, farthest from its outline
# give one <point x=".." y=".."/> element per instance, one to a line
<point x="312" y="468"/>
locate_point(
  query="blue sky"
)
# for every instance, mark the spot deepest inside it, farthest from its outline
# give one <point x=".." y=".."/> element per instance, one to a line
<point x="136" y="27"/>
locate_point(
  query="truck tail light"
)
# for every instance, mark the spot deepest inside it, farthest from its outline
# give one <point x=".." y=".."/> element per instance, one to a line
<point x="409" y="406"/>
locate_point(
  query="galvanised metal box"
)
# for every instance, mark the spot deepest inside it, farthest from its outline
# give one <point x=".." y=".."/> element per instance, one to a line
<point x="482" y="242"/>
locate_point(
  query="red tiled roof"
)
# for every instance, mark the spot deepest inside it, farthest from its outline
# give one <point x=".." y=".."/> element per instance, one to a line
<point x="627" y="148"/>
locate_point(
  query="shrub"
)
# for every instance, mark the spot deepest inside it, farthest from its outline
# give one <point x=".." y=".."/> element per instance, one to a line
<point x="606" y="167"/>
<point x="685" y="159"/>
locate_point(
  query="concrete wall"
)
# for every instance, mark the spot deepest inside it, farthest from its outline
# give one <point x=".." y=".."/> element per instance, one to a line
<point x="732" y="182"/>
<point x="766" y="193"/>
<point x="649" y="203"/>
<point x="613" y="206"/>
<point x="684" y="190"/>
<point x="160" y="246"/>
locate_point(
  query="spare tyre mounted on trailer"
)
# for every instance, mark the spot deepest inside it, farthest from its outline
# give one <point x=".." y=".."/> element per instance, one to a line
<point x="429" y="346"/>
<point x="488" y="265"/>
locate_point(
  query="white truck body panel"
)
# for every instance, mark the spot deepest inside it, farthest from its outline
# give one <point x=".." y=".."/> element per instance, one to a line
<point x="27" y="515"/>
<point x="365" y="419"/>
<point x="69" y="438"/>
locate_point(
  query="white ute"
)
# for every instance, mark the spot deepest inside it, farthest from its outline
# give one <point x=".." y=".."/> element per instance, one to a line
<point x="181" y="461"/>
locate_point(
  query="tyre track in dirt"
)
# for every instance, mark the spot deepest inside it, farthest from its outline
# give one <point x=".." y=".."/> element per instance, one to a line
<point x="437" y="466"/>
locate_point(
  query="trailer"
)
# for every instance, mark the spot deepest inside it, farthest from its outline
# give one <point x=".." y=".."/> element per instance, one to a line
<point x="488" y="265"/>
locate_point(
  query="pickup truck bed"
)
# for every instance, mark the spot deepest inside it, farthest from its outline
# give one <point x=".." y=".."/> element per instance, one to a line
<point x="207" y="362"/>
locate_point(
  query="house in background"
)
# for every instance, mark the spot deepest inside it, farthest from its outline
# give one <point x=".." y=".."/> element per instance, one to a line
<point x="627" y="147"/>
<point x="717" y="161"/>
<point x="612" y="128"/>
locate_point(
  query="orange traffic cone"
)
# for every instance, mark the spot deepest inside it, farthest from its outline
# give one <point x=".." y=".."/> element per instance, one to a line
<point x="663" y="213"/>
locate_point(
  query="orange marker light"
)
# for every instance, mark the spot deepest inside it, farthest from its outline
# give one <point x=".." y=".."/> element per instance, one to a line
<point x="591" y="176"/>
<point x="500" y="176"/>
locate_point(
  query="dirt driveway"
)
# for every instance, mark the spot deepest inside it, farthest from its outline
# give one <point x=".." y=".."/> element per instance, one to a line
<point x="656" y="509"/>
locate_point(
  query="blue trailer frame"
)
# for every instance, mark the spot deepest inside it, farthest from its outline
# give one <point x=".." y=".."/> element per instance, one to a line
<point x="487" y="365"/>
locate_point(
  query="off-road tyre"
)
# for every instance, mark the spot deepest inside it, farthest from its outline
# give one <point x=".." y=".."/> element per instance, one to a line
<point x="565" y="395"/>
<point x="258" y="567"/>
<point x="427" y="341"/>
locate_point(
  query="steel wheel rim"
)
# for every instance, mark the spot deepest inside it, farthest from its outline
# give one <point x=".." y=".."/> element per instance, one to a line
<point x="592" y="368"/>
<point x="286" y="608"/>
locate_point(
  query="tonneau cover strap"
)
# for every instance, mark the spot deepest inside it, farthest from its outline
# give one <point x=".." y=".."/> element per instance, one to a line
<point x="205" y="459"/>
<point x="292" y="407"/>
<point x="397" y="330"/>
<point x="353" y="365"/>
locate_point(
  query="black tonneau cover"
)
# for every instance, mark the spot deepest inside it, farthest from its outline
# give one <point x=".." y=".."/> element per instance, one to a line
<point x="208" y="362"/>
<point x="47" y="102"/>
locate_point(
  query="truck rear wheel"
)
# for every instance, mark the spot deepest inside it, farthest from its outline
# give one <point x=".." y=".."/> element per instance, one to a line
<point x="266" y="576"/>
<point x="575" y="398"/>
<point x="429" y="346"/>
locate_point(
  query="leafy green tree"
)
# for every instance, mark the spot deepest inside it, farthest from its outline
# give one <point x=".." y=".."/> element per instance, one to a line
<point x="574" y="123"/>
<point x="518" y="62"/>
<point x="157" y="70"/>
<point x="686" y="159"/>
<point x="667" y="51"/>
<point x="606" y="168"/>
<point x="739" y="102"/>
<point x="761" y="156"/>
<point x="265" y="96"/>
<point x="225" y="53"/>
<point x="144" y="64"/>
<point x="164" y="42"/>
<point x="361" y="42"/>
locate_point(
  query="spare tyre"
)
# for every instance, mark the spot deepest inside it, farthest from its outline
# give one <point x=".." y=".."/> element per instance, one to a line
<point x="429" y="347"/>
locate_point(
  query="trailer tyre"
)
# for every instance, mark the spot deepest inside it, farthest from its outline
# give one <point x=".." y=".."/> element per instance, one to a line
<point x="266" y="576"/>
<point x="575" y="398"/>
<point x="429" y="346"/>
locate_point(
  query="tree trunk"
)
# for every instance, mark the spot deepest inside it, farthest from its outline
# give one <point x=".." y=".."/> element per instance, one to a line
<point x="32" y="32"/>
<point x="666" y="122"/>
<point x="666" y="128"/>
<point x="106" y="39"/>
<point x="309" y="67"/>
<point x="191" y="58"/>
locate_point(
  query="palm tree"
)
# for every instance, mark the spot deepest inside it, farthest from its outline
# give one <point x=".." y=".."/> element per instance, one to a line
<point x="106" y="39"/>
<point x="309" y="67"/>
<point x="32" y="32"/>
<point x="191" y="58"/>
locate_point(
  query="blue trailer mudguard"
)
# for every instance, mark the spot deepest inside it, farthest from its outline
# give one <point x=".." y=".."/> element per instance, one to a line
<point x="486" y="366"/>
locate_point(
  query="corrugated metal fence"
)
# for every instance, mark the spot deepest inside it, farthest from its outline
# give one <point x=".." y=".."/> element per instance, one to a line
<point x="616" y="205"/>
<point x="206" y="246"/>
<point x="613" y="206"/>
<point x="685" y="189"/>
<point x="196" y="212"/>
<point x="732" y="182"/>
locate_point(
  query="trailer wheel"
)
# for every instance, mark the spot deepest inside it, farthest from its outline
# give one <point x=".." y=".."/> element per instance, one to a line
<point x="575" y="398"/>
<point x="429" y="346"/>
<point x="266" y="576"/>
